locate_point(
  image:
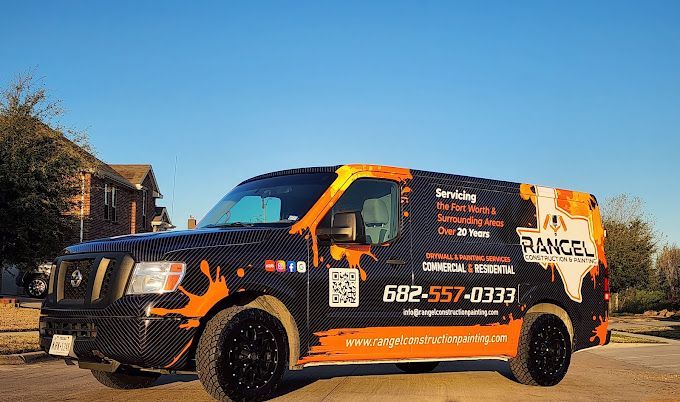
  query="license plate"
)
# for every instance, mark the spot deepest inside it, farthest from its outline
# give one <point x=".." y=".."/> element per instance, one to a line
<point x="61" y="345"/>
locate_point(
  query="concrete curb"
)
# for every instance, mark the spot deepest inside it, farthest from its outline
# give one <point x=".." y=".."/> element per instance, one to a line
<point x="25" y="358"/>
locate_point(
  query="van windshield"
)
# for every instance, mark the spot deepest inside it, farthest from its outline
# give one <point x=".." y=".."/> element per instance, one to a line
<point x="273" y="201"/>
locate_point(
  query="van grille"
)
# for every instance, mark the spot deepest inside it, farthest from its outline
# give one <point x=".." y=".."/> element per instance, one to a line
<point x="77" y="273"/>
<point x="90" y="281"/>
<point x="106" y="282"/>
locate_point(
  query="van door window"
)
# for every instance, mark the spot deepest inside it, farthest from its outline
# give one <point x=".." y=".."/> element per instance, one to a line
<point x="378" y="202"/>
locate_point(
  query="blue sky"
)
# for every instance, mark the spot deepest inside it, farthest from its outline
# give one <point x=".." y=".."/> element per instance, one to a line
<point x="579" y="95"/>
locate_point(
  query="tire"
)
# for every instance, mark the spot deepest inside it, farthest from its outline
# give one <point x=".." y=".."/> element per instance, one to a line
<point x="230" y="367"/>
<point x="126" y="378"/>
<point x="36" y="286"/>
<point x="544" y="351"/>
<point x="417" y="367"/>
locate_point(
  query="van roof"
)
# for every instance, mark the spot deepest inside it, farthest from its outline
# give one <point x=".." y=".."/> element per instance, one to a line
<point x="482" y="183"/>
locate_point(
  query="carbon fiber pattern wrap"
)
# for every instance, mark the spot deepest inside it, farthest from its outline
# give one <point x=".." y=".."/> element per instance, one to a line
<point x="127" y="331"/>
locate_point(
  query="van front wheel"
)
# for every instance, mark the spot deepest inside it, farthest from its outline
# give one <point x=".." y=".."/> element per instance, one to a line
<point x="242" y="354"/>
<point x="544" y="350"/>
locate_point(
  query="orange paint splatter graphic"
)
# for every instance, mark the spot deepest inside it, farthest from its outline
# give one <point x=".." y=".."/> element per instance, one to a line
<point x="600" y="332"/>
<point x="376" y="343"/>
<point x="191" y="323"/>
<point x="405" y="194"/>
<point x="353" y="255"/>
<point x="347" y="174"/>
<point x="199" y="305"/>
<point x="527" y="192"/>
<point x="176" y="359"/>
<point x="583" y="204"/>
<point x="240" y="272"/>
<point x="552" y="272"/>
<point x="593" y="275"/>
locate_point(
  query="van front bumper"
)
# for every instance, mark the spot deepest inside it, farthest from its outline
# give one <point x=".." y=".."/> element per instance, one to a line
<point x="153" y="343"/>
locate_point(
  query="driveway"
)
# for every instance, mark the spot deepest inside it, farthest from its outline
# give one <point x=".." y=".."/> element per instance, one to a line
<point x="609" y="373"/>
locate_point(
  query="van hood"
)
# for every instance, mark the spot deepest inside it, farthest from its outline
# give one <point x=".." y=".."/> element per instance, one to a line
<point x="153" y="246"/>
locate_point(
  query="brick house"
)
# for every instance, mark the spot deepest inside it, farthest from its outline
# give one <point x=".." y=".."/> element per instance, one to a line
<point x="161" y="220"/>
<point x="114" y="200"/>
<point x="118" y="200"/>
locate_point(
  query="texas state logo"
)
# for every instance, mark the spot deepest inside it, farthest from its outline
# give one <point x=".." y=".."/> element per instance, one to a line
<point x="563" y="240"/>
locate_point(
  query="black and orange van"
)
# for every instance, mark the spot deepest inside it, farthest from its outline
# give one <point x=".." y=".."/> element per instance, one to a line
<point x="337" y="265"/>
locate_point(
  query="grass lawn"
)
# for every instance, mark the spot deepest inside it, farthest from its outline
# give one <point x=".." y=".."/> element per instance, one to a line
<point x="620" y="338"/>
<point x="671" y="330"/>
<point x="18" y="319"/>
<point x="18" y="342"/>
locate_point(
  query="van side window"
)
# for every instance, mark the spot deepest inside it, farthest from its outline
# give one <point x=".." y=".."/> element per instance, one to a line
<point x="378" y="202"/>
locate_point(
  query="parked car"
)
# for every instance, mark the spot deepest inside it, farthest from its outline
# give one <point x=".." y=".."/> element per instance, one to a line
<point x="35" y="281"/>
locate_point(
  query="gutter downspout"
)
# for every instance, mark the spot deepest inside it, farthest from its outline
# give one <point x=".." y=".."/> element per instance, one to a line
<point x="82" y="203"/>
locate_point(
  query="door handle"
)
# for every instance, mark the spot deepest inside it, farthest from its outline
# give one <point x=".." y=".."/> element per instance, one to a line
<point x="393" y="261"/>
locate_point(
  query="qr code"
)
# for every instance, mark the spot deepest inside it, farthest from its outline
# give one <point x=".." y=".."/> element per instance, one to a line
<point x="343" y="287"/>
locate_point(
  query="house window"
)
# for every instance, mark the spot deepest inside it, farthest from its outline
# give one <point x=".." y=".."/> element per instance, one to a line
<point x="114" y="217"/>
<point x="110" y="203"/>
<point x="107" y="196"/>
<point x="144" y="208"/>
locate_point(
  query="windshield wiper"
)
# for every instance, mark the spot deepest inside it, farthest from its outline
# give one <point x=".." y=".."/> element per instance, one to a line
<point x="230" y="224"/>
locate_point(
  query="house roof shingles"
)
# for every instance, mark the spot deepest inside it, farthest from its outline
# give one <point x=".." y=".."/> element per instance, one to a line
<point x="135" y="174"/>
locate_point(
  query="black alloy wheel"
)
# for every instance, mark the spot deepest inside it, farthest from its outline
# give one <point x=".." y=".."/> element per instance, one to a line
<point x="242" y="354"/>
<point x="544" y="350"/>
<point x="548" y="351"/>
<point x="252" y="356"/>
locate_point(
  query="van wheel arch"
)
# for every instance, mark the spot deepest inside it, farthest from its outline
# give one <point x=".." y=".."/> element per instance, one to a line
<point x="269" y="304"/>
<point x="553" y="308"/>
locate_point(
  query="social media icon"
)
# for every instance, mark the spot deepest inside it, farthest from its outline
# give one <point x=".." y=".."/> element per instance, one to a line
<point x="291" y="266"/>
<point x="301" y="267"/>
<point x="281" y="266"/>
<point x="269" y="266"/>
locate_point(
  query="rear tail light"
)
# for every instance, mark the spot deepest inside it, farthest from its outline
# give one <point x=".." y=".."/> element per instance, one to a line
<point x="607" y="295"/>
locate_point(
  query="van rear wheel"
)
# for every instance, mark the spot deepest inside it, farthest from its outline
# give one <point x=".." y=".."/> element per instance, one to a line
<point x="242" y="354"/>
<point x="417" y="367"/>
<point x="544" y="351"/>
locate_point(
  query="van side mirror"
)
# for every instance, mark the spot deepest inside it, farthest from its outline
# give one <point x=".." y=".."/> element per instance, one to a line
<point x="346" y="227"/>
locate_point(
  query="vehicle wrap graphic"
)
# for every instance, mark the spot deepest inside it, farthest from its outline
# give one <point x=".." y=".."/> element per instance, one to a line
<point x="379" y="343"/>
<point x="198" y="305"/>
<point x="564" y="241"/>
<point x="347" y="174"/>
<point x="456" y="232"/>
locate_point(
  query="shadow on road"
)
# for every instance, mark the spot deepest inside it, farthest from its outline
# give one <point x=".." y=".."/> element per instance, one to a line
<point x="169" y="379"/>
<point x="295" y="380"/>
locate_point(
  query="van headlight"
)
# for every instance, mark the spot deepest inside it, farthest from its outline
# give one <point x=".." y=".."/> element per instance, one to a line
<point x="156" y="277"/>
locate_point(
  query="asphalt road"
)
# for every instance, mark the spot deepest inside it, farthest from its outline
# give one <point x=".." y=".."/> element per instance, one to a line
<point x="615" y="372"/>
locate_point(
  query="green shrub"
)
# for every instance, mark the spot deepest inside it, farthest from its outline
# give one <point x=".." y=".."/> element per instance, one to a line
<point x="640" y="300"/>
